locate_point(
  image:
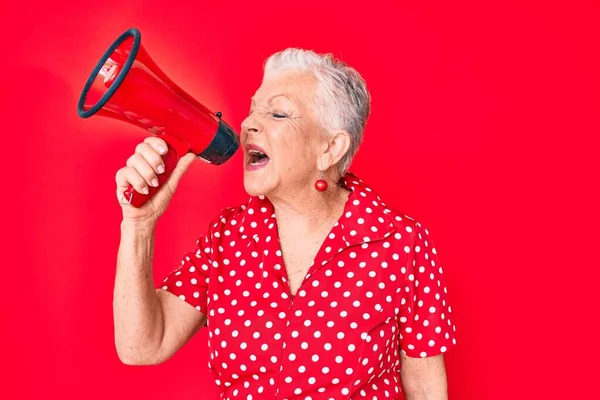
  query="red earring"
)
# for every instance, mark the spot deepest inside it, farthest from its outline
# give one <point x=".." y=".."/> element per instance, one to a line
<point x="321" y="184"/>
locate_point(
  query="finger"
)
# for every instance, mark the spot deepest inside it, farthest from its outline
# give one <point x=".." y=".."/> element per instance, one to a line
<point x="121" y="179"/>
<point x="151" y="156"/>
<point x="141" y="165"/>
<point x="185" y="161"/>
<point x="123" y="183"/>
<point x="182" y="165"/>
<point x="138" y="182"/>
<point x="157" y="144"/>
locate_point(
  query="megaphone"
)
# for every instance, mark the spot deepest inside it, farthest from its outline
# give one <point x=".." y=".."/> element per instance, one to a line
<point x="127" y="85"/>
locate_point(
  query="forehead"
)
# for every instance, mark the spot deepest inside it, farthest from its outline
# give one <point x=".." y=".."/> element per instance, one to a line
<point x="296" y="85"/>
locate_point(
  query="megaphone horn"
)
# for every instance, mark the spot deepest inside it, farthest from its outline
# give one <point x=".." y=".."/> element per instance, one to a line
<point x="127" y="85"/>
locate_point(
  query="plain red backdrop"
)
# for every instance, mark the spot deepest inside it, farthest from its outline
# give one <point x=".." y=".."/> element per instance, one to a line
<point x="484" y="125"/>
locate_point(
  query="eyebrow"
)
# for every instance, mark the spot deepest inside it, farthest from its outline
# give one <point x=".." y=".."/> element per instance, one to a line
<point x="272" y="98"/>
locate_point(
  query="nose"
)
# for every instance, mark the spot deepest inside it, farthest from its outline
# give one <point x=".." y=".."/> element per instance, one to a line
<point x="251" y="124"/>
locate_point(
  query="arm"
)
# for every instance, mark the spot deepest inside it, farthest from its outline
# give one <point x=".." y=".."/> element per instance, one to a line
<point x="150" y="324"/>
<point x="424" y="378"/>
<point x="426" y="329"/>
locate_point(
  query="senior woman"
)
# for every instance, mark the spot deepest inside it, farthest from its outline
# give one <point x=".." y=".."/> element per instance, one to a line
<point x="314" y="288"/>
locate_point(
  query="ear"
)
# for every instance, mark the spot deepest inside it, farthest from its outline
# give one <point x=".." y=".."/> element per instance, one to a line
<point x="338" y="143"/>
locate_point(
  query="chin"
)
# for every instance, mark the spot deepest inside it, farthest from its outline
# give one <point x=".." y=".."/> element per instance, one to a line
<point x="258" y="183"/>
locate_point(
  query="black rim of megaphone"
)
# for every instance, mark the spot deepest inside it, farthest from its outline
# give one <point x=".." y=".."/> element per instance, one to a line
<point x="134" y="50"/>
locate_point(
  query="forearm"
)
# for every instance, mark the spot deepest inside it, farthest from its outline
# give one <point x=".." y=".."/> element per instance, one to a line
<point x="137" y="311"/>
<point x="426" y="395"/>
<point x="424" y="378"/>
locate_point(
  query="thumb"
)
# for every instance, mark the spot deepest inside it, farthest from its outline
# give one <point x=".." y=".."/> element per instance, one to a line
<point x="182" y="165"/>
<point x="184" y="162"/>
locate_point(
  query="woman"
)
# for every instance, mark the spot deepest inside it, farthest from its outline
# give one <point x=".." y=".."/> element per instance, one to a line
<point x="313" y="289"/>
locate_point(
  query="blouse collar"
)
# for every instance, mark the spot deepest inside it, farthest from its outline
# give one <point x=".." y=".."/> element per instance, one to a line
<point x="365" y="218"/>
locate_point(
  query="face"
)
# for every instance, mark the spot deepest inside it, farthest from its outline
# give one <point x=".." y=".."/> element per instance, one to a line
<point x="281" y="137"/>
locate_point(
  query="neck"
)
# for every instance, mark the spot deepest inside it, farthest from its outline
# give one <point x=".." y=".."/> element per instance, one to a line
<point x="308" y="210"/>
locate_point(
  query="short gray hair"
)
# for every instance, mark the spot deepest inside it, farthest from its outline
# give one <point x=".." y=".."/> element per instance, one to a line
<point x="342" y="96"/>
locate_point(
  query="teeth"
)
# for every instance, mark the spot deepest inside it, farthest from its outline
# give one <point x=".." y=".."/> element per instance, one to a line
<point x="257" y="154"/>
<point x="260" y="162"/>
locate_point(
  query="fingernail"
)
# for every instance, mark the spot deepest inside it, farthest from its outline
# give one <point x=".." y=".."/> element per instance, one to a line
<point x="162" y="149"/>
<point x="160" y="169"/>
<point x="145" y="190"/>
<point x="155" y="182"/>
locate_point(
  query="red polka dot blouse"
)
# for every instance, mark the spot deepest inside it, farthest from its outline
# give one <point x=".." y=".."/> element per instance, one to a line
<point x="375" y="288"/>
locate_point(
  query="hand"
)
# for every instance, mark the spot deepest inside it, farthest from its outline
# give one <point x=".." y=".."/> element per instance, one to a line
<point x="142" y="171"/>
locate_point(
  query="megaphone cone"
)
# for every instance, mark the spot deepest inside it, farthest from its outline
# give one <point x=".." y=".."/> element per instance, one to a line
<point x="127" y="85"/>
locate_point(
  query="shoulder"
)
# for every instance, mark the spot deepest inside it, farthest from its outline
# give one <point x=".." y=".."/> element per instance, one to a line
<point x="228" y="219"/>
<point x="414" y="238"/>
<point x="405" y="226"/>
<point x="230" y="231"/>
<point x="239" y="220"/>
<point x="402" y="222"/>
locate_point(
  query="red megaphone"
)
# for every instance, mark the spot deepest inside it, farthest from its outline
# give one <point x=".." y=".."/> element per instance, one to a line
<point x="127" y="85"/>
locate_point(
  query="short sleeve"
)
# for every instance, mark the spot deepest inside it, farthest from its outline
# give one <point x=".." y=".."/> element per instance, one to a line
<point x="190" y="281"/>
<point x="426" y="328"/>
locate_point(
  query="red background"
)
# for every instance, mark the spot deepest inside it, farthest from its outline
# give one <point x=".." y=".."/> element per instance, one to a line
<point x="493" y="106"/>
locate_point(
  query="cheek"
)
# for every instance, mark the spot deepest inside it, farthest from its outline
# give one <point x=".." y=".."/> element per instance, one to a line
<point x="290" y="147"/>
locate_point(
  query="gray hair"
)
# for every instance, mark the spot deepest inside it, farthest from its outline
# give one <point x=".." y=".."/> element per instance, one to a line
<point x="342" y="96"/>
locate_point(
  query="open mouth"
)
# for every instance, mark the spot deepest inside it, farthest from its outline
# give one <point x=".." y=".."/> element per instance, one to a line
<point x="257" y="157"/>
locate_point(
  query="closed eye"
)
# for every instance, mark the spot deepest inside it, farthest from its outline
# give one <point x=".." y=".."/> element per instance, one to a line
<point x="277" y="115"/>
